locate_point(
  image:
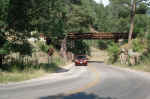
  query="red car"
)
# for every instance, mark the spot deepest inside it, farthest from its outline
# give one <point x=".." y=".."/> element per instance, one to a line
<point x="81" y="60"/>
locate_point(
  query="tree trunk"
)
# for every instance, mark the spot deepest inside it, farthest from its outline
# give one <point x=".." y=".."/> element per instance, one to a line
<point x="63" y="50"/>
<point x="133" y="11"/>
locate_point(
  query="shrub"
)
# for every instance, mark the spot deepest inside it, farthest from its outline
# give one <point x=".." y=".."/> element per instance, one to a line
<point x="44" y="47"/>
<point x="145" y="58"/>
<point x="113" y="50"/>
<point x="148" y="42"/>
<point x="137" y="45"/>
<point x="102" y="45"/>
<point x="81" y="47"/>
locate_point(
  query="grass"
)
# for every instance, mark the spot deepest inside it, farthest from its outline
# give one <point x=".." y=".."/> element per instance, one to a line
<point x="6" y="77"/>
<point x="27" y="74"/>
<point x="15" y="73"/>
<point x="139" y="67"/>
<point x="100" y="55"/>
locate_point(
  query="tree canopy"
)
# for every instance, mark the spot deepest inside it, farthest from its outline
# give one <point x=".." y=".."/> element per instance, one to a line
<point x="56" y="18"/>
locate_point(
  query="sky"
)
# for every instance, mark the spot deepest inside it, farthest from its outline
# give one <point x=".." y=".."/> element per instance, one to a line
<point x="105" y="2"/>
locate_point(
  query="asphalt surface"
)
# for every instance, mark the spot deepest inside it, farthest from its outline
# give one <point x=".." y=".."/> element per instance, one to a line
<point x="97" y="81"/>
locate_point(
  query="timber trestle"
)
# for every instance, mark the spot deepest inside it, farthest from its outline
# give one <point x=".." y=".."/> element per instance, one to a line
<point x="100" y="35"/>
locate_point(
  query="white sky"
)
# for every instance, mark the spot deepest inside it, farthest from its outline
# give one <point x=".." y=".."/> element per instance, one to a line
<point x="105" y="2"/>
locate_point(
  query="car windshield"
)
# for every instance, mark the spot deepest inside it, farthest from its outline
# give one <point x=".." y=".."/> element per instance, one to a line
<point x="81" y="57"/>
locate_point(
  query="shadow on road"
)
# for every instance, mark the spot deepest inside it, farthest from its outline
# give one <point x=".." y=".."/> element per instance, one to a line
<point x="77" y="96"/>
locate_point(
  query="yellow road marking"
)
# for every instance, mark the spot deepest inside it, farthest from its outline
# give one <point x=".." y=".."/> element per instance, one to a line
<point x="90" y="84"/>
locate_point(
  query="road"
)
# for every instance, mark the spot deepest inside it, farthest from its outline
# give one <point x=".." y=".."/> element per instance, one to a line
<point x="97" y="81"/>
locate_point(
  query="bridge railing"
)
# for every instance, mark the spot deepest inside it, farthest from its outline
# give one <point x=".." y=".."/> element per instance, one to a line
<point x="100" y="35"/>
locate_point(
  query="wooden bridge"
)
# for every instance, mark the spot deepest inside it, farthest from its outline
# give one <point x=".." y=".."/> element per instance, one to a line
<point x="100" y="35"/>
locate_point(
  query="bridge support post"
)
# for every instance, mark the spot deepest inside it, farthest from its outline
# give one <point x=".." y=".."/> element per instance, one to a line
<point x="63" y="50"/>
<point x="72" y="46"/>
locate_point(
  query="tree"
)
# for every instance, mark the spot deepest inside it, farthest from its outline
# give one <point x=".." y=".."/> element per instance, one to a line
<point x="3" y="24"/>
<point x="18" y="18"/>
<point x="133" y="11"/>
<point x="141" y="6"/>
<point x="112" y="18"/>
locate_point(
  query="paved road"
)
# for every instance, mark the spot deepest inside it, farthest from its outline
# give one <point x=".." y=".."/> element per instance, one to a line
<point x="98" y="81"/>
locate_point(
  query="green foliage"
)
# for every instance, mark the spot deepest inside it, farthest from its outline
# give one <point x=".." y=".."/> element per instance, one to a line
<point x="102" y="45"/>
<point x="142" y="8"/>
<point x="141" y="23"/>
<point x="113" y="50"/>
<point x="20" y="72"/>
<point x="5" y="49"/>
<point x="18" y="18"/>
<point x="145" y="58"/>
<point x="100" y="21"/>
<point x="24" y="48"/>
<point x="137" y="45"/>
<point x="21" y="63"/>
<point x="58" y="60"/>
<point x="3" y="52"/>
<point x="43" y="47"/>
<point x="148" y="42"/>
<point x="4" y="4"/>
<point x="116" y="17"/>
<point x="112" y="18"/>
<point x="81" y="48"/>
<point x="56" y="18"/>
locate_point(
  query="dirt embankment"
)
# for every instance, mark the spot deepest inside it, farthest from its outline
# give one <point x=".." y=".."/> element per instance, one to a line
<point x="98" y="55"/>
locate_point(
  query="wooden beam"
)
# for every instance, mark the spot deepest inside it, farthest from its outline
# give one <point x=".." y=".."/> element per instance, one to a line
<point x="100" y="35"/>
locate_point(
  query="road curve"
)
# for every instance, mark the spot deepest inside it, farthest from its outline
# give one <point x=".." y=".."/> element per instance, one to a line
<point x="101" y="82"/>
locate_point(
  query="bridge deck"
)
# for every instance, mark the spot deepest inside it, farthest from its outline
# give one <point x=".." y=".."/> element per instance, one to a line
<point x="100" y="35"/>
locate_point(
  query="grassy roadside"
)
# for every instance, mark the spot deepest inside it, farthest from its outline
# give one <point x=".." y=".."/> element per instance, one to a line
<point x="140" y="67"/>
<point x="17" y="76"/>
<point x="32" y="72"/>
<point x="99" y="55"/>
<point x="6" y="77"/>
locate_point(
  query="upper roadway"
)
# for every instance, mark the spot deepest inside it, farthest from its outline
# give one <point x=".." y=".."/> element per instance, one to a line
<point x="97" y="81"/>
